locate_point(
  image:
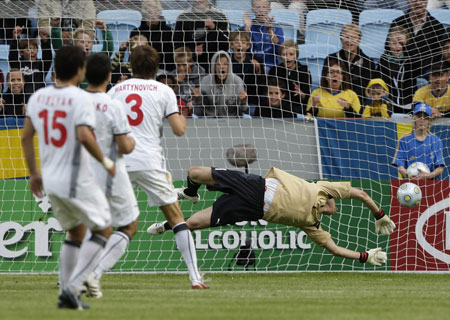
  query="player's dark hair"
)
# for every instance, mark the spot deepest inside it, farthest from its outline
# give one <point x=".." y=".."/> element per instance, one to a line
<point x="144" y="62"/>
<point x="68" y="60"/>
<point x="98" y="68"/>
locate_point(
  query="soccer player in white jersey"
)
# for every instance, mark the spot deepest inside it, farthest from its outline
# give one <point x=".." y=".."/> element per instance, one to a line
<point x="147" y="103"/>
<point x="112" y="134"/>
<point x="63" y="117"/>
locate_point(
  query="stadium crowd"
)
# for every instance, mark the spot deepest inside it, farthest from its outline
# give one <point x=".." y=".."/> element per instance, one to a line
<point x="253" y="70"/>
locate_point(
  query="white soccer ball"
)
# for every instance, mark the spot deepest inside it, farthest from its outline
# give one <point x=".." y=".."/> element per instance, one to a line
<point x="413" y="169"/>
<point x="409" y="195"/>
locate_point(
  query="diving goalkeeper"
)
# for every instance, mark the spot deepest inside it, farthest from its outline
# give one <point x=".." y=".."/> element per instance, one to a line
<point x="281" y="198"/>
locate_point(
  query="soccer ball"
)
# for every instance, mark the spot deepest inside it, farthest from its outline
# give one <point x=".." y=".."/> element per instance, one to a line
<point x="413" y="169"/>
<point x="409" y="195"/>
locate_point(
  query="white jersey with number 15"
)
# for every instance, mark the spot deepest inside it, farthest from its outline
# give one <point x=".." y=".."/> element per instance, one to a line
<point x="146" y="103"/>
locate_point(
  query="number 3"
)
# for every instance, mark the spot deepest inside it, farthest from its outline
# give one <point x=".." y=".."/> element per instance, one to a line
<point x="56" y="126"/>
<point x="136" y="108"/>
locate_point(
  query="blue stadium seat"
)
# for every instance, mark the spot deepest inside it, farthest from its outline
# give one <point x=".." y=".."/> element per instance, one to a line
<point x="120" y="23"/>
<point x="324" y="26"/>
<point x="235" y="18"/>
<point x="289" y="21"/>
<point x="313" y="55"/>
<point x="4" y="63"/>
<point x="245" y="5"/>
<point x="443" y="15"/>
<point x="375" y="26"/>
<point x="171" y="16"/>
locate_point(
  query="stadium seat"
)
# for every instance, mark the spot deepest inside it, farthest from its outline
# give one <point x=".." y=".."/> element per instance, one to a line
<point x="235" y="18"/>
<point x="4" y="63"/>
<point x="289" y="21"/>
<point x="244" y="5"/>
<point x="313" y="56"/>
<point x="443" y="15"/>
<point x="171" y="16"/>
<point x="375" y="26"/>
<point x="324" y="26"/>
<point x="120" y="23"/>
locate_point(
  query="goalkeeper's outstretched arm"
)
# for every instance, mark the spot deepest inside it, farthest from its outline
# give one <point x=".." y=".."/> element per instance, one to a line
<point x="375" y="257"/>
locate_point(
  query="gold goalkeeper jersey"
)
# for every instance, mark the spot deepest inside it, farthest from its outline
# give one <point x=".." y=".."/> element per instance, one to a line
<point x="297" y="202"/>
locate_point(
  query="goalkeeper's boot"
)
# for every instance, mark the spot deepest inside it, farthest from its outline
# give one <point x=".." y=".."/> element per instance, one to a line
<point x="93" y="289"/>
<point x="71" y="300"/>
<point x="157" y="228"/>
<point x="199" y="284"/>
<point x="182" y="195"/>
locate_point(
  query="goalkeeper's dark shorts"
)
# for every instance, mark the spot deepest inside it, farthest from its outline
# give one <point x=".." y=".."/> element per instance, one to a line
<point x="243" y="199"/>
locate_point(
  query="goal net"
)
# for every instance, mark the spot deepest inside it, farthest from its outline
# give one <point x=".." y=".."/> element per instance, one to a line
<point x="341" y="122"/>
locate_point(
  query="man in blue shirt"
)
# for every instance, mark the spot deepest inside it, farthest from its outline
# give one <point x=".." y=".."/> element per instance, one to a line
<point x="265" y="38"/>
<point x="420" y="146"/>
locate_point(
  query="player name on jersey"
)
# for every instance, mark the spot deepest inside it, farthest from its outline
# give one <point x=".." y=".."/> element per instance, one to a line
<point x="136" y="87"/>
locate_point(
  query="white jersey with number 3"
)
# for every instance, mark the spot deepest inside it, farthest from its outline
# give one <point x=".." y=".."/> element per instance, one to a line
<point x="146" y="103"/>
<point x="55" y="114"/>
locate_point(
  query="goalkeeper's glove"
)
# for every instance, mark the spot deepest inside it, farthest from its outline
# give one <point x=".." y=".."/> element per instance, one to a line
<point x="383" y="224"/>
<point x="375" y="257"/>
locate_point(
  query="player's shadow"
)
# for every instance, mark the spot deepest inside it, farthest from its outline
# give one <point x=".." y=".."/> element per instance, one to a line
<point x="244" y="257"/>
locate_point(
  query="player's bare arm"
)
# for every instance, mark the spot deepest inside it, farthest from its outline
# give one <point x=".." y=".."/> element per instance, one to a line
<point x="178" y="124"/>
<point x="125" y="143"/>
<point x="87" y="139"/>
<point x="28" y="149"/>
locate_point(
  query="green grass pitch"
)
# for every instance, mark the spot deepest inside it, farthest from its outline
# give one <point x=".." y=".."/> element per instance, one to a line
<point x="238" y="296"/>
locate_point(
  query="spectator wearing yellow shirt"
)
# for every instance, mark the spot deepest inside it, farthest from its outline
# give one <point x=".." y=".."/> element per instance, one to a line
<point x="437" y="93"/>
<point x="376" y="103"/>
<point x="334" y="99"/>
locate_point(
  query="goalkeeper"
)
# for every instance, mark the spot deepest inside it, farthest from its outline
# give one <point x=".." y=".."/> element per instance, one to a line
<point x="279" y="198"/>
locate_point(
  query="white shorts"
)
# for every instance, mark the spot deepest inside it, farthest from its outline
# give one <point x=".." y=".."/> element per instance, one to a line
<point x="157" y="184"/>
<point x="91" y="209"/>
<point x="124" y="208"/>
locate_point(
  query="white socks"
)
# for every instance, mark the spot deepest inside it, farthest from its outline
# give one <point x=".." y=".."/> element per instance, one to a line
<point x="185" y="244"/>
<point x="68" y="258"/>
<point x="114" y="250"/>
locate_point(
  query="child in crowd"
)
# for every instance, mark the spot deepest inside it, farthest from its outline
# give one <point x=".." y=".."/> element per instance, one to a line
<point x="276" y="105"/>
<point x="187" y="74"/>
<point x="247" y="68"/>
<point x="396" y="71"/>
<point x="170" y="81"/>
<point x="222" y="93"/>
<point x="376" y="103"/>
<point x="295" y="74"/>
<point x="33" y="69"/>
<point x="13" y="102"/>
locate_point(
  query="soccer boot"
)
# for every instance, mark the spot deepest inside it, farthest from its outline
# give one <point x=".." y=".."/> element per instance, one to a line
<point x="199" y="284"/>
<point x="157" y="228"/>
<point x="93" y="289"/>
<point x="69" y="300"/>
<point x="182" y="195"/>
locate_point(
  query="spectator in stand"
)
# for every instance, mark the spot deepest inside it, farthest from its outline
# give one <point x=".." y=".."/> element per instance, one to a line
<point x="83" y="11"/>
<point x="396" y="70"/>
<point x="334" y="98"/>
<point x="9" y="25"/>
<point x="420" y="146"/>
<point x="276" y="106"/>
<point x="296" y="75"/>
<point x="265" y="37"/>
<point x="169" y="80"/>
<point x="33" y="69"/>
<point x="376" y="103"/>
<point x="446" y="52"/>
<point x="188" y="75"/>
<point x="437" y="93"/>
<point x="360" y="67"/>
<point x="204" y="29"/>
<point x="121" y="70"/>
<point x="222" y="93"/>
<point x="158" y="33"/>
<point x="427" y="36"/>
<point x="247" y="68"/>
<point x="13" y="103"/>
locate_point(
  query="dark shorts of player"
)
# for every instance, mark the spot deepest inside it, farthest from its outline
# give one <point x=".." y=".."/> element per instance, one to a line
<point x="243" y="199"/>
